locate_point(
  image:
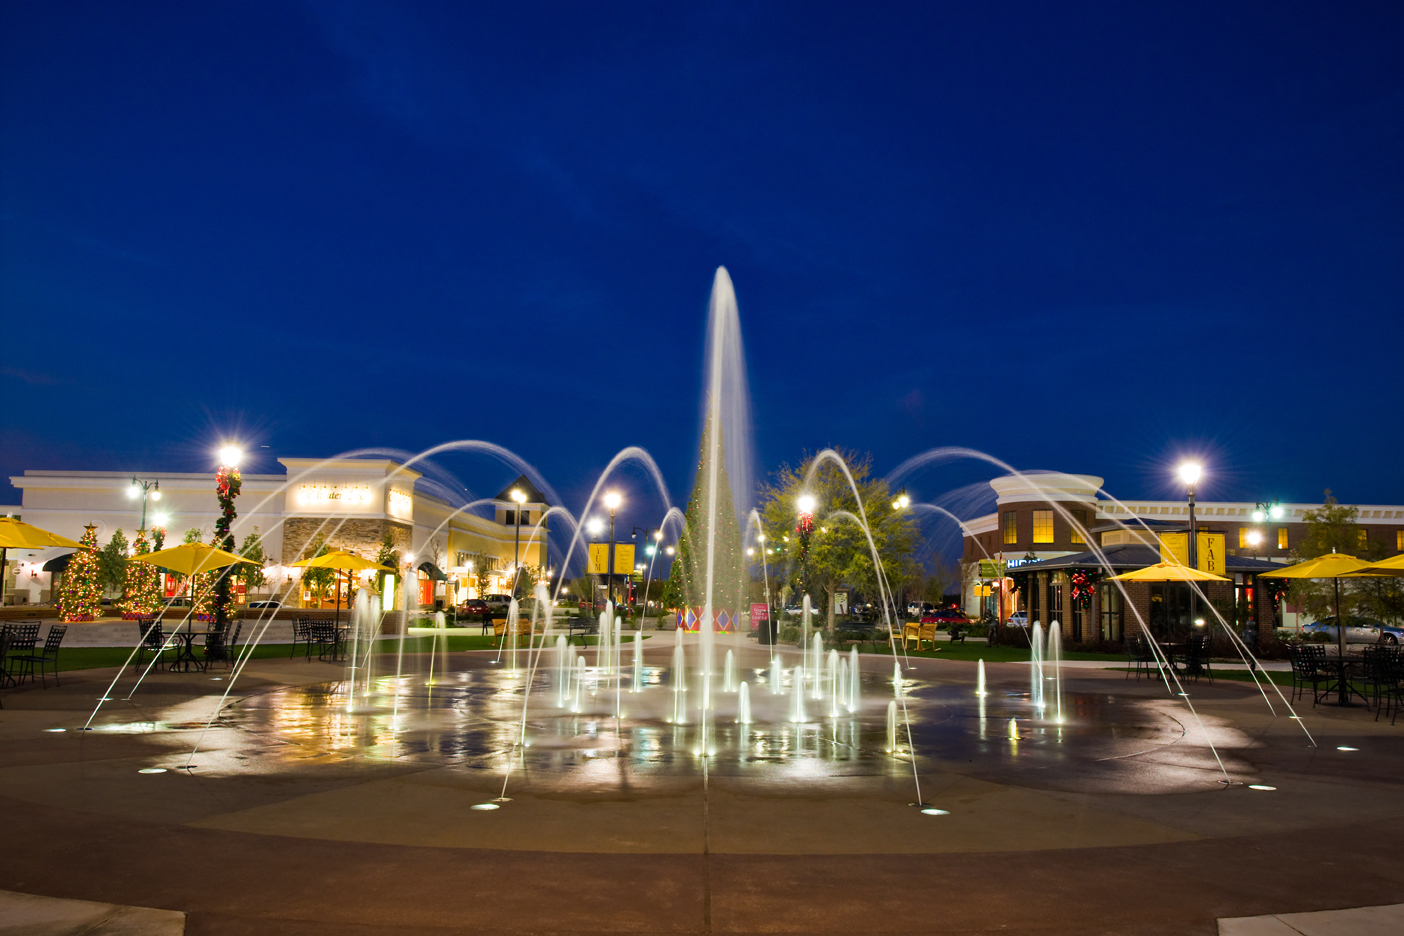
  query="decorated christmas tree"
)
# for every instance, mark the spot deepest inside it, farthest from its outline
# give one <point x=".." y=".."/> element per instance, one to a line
<point x="141" y="593"/>
<point x="687" y="582"/>
<point x="80" y="592"/>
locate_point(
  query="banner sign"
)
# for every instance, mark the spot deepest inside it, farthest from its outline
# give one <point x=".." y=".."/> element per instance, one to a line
<point x="1209" y="550"/>
<point x="759" y="612"/>
<point x="623" y="559"/>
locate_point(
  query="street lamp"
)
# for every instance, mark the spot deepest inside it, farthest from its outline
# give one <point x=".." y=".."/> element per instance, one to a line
<point x="227" y="483"/>
<point x="519" y="499"/>
<point x="1189" y="474"/>
<point x="1254" y="538"/>
<point x="145" y="489"/>
<point x="612" y="501"/>
<point x="651" y="549"/>
<point x="805" y="504"/>
<point x="900" y="504"/>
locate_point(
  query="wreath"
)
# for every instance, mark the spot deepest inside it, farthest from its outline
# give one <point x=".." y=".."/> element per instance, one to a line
<point x="1084" y="586"/>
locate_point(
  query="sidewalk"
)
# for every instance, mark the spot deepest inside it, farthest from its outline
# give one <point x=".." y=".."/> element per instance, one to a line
<point x="1358" y="921"/>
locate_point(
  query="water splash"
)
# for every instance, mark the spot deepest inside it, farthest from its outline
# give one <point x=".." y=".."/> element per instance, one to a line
<point x="729" y="673"/>
<point x="797" y="713"/>
<point x="638" y="684"/>
<point x="892" y="726"/>
<point x="817" y="657"/>
<point x="1036" y="667"/>
<point x="980" y="678"/>
<point x="897" y="688"/>
<point x="855" y="684"/>
<point x="743" y="704"/>
<point x="777" y="676"/>
<point x="1055" y="660"/>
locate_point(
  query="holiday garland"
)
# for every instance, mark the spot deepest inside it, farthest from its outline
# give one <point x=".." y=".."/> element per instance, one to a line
<point x="227" y="483"/>
<point x="1084" y="586"/>
<point x="141" y="592"/>
<point x="80" y="592"/>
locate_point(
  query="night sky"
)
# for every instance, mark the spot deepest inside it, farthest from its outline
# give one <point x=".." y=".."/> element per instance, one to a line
<point x="1083" y="237"/>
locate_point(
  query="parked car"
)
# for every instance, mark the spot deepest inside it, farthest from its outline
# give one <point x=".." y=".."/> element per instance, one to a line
<point x="944" y="616"/>
<point x="473" y="607"/>
<point x="1018" y="619"/>
<point x="794" y="611"/>
<point x="498" y="602"/>
<point x="274" y="605"/>
<point x="1358" y="630"/>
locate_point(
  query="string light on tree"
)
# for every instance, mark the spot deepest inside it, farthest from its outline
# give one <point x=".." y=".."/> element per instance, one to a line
<point x="80" y="592"/>
<point x="227" y="482"/>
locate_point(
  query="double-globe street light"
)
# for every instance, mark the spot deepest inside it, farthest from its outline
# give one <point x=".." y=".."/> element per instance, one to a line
<point x="612" y="500"/>
<point x="1189" y="474"/>
<point x="144" y="489"/>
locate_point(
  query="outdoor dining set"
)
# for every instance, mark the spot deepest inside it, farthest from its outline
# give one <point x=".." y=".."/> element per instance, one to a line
<point x="1375" y="675"/>
<point x="22" y="656"/>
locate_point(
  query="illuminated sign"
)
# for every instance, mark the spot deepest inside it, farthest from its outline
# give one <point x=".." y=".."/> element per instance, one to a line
<point x="400" y="504"/>
<point x="334" y="494"/>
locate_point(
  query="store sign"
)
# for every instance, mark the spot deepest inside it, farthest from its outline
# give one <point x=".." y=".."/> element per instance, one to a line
<point x="400" y="504"/>
<point x="759" y="612"/>
<point x="334" y="494"/>
<point x="1209" y="550"/>
<point x="623" y="558"/>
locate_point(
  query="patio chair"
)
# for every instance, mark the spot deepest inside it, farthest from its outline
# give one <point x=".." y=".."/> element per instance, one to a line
<point x="1138" y="657"/>
<point x="231" y="646"/>
<point x="46" y="657"/>
<point x="1393" y="687"/>
<point x="215" y="650"/>
<point x="302" y="632"/>
<point x="22" y="640"/>
<point x="1379" y="662"/>
<point x="1197" y="656"/>
<point x="152" y="640"/>
<point x="4" y="651"/>
<point x="1309" y="669"/>
<point x="324" y="639"/>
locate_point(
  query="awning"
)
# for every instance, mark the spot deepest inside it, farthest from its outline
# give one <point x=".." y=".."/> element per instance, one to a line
<point x="434" y="572"/>
<point x="58" y="563"/>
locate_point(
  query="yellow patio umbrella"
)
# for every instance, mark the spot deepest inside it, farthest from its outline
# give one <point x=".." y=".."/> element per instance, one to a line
<point x="342" y="560"/>
<point x="1168" y="572"/>
<point x="192" y="558"/>
<point x="1385" y="567"/>
<point x="1333" y="566"/>
<point x="16" y="534"/>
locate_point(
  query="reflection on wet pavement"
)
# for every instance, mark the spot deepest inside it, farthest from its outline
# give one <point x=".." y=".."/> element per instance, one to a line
<point x="473" y="719"/>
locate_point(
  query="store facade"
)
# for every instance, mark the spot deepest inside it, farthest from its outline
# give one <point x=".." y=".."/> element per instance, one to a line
<point x="356" y="504"/>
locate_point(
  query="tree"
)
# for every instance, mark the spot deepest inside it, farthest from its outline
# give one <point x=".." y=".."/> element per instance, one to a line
<point x="141" y="592"/>
<point x="687" y="581"/>
<point x="80" y="592"/>
<point x="112" y="563"/>
<point x="839" y="551"/>
<point x="251" y="575"/>
<point x="318" y="581"/>
<point x="1334" y="528"/>
<point x="387" y="555"/>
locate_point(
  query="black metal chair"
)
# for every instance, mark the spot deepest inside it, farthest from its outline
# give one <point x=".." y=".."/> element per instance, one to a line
<point x="1138" y="656"/>
<point x="46" y="657"/>
<point x="1309" y="669"/>
<point x="215" y="650"/>
<point x="1378" y="675"/>
<point x="23" y="637"/>
<point x="4" y="652"/>
<point x="1393" y="687"/>
<point x="1197" y="656"/>
<point x="324" y="638"/>
<point x="302" y="633"/>
<point x="153" y="640"/>
<point x="232" y="645"/>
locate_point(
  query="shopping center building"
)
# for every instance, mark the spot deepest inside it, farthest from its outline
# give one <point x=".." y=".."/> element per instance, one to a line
<point x="1038" y="545"/>
<point x="353" y="504"/>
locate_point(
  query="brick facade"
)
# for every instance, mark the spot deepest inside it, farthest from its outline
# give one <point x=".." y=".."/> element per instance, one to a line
<point x="358" y="536"/>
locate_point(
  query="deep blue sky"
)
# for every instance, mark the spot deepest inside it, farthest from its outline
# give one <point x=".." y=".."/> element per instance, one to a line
<point x="1082" y="237"/>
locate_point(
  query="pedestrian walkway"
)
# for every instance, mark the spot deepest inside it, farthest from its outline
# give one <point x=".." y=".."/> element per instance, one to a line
<point x="33" y="915"/>
<point x="1359" y="921"/>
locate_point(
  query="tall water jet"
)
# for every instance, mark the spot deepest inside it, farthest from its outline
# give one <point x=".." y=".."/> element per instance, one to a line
<point x="679" y="682"/>
<point x="743" y="704"/>
<point x="841" y="692"/>
<point x="797" y="713"/>
<point x="806" y="666"/>
<point x="579" y="681"/>
<point x="897" y="688"/>
<point x="638" y="662"/>
<point x="729" y="677"/>
<point x="777" y="676"/>
<point x="980" y="678"/>
<point x="1036" y="666"/>
<point x="604" y="641"/>
<point x="1055" y="662"/>
<point x="510" y="635"/>
<point x="892" y="726"/>
<point x="855" y="681"/>
<point x="818" y="661"/>
<point x="1013" y="730"/>
<point x="831" y="681"/>
<point x="562" y="671"/>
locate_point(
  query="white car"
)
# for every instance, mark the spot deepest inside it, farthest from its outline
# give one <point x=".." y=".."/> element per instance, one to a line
<point x="1018" y="619"/>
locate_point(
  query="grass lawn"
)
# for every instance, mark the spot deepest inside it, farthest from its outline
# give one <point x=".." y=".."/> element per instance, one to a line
<point x="978" y="651"/>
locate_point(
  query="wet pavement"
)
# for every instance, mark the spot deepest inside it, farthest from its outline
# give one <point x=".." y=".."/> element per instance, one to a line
<point x="326" y="809"/>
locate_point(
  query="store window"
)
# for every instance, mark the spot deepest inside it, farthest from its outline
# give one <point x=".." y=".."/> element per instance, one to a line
<point x="1399" y="540"/>
<point x="1079" y="524"/>
<point x="1282" y="538"/>
<point x="1242" y="537"/>
<point x="1364" y="542"/>
<point x="1111" y="612"/>
<point x="1055" y="600"/>
<point x="1011" y="528"/>
<point x="1043" y="526"/>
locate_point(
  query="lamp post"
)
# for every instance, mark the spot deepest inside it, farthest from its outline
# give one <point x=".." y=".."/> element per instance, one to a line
<point x="1189" y="474"/>
<point x="145" y="489"/>
<point x="595" y="526"/>
<point x="765" y="577"/>
<point x="900" y="504"/>
<point x="227" y="484"/>
<point x="519" y="499"/>
<point x="612" y="501"/>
